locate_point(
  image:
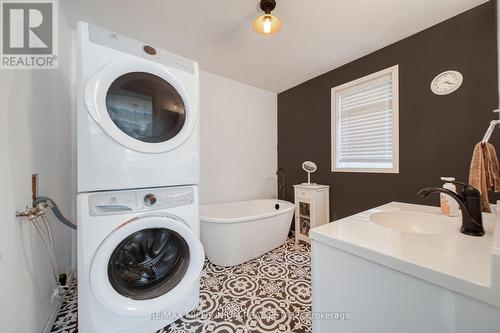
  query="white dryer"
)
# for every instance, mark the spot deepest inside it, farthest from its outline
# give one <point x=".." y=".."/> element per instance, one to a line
<point x="139" y="258"/>
<point x="137" y="114"/>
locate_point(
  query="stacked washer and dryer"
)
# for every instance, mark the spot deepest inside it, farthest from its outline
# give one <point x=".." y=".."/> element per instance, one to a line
<point x="139" y="253"/>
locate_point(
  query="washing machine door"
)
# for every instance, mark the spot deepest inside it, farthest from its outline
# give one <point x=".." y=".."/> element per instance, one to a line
<point x="146" y="265"/>
<point x="141" y="105"/>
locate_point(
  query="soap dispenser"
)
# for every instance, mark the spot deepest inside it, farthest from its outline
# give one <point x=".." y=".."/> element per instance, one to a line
<point x="448" y="205"/>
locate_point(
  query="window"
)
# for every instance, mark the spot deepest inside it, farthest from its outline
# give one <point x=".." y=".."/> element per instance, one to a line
<point x="365" y="131"/>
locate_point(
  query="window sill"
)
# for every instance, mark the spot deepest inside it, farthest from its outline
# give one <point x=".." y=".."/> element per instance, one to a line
<point x="349" y="170"/>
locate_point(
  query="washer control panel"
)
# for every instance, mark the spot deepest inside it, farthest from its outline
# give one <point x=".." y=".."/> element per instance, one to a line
<point x="124" y="202"/>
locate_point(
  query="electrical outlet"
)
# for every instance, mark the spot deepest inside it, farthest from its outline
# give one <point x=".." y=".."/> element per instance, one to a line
<point x="34" y="186"/>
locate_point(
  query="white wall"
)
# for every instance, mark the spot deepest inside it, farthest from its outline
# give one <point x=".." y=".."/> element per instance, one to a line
<point x="34" y="138"/>
<point x="238" y="141"/>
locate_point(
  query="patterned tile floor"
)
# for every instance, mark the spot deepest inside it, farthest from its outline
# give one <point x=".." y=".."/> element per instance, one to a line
<point x="67" y="318"/>
<point x="269" y="294"/>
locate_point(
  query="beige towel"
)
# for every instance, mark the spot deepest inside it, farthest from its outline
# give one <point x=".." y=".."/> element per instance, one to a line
<point x="484" y="172"/>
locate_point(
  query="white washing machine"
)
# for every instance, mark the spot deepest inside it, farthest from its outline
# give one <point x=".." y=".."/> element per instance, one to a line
<point x="139" y="258"/>
<point x="138" y="112"/>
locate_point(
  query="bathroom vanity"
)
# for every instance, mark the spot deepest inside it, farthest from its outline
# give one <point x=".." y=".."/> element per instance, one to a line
<point x="405" y="268"/>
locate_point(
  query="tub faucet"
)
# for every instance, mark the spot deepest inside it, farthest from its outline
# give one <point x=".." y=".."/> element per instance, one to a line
<point x="281" y="183"/>
<point x="469" y="201"/>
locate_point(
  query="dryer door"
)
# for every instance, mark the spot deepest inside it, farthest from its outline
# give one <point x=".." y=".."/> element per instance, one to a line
<point x="146" y="265"/>
<point x="141" y="105"/>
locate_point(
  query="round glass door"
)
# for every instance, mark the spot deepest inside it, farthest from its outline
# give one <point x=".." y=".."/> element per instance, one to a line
<point x="148" y="263"/>
<point x="145" y="107"/>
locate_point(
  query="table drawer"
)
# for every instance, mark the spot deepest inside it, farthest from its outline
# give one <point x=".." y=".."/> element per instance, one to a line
<point x="303" y="194"/>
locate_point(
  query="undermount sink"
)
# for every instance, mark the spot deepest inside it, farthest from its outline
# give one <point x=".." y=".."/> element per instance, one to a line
<point x="414" y="222"/>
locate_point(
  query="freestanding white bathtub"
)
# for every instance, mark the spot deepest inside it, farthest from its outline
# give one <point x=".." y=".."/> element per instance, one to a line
<point x="233" y="233"/>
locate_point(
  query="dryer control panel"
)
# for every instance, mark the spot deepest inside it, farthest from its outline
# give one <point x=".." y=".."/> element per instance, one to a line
<point x="124" y="202"/>
<point x="115" y="41"/>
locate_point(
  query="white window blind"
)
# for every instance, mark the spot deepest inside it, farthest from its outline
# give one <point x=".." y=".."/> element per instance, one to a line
<point x="365" y="133"/>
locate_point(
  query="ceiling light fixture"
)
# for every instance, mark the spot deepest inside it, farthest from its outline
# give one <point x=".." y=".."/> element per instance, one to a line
<point x="267" y="24"/>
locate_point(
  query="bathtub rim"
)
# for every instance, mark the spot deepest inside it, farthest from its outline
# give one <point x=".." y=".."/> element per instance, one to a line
<point x="290" y="208"/>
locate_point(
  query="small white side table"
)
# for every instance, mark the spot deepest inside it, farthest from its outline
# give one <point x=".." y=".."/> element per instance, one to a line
<point x="312" y="209"/>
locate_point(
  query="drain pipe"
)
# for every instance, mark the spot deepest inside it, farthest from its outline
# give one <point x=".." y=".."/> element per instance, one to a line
<point x="52" y="205"/>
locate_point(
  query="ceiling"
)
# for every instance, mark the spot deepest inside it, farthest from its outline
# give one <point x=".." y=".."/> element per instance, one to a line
<point x="316" y="36"/>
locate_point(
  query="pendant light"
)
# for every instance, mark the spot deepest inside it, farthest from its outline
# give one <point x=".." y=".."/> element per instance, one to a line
<point x="268" y="23"/>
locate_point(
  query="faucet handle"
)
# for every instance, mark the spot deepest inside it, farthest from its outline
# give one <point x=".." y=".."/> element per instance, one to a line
<point x="467" y="189"/>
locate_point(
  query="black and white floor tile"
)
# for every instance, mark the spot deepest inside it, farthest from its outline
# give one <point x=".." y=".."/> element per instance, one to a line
<point x="67" y="318"/>
<point x="269" y="294"/>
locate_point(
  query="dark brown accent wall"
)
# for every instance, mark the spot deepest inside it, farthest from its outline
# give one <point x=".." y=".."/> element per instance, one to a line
<point x="437" y="133"/>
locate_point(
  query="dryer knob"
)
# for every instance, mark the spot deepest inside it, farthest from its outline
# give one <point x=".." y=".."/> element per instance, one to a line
<point x="149" y="200"/>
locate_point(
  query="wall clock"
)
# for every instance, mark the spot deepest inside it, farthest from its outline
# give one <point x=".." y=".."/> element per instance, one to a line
<point x="446" y="82"/>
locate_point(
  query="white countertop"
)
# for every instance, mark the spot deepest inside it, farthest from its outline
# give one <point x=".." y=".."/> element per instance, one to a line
<point x="465" y="264"/>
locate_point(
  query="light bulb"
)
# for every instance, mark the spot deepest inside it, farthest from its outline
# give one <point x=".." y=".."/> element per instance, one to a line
<point x="268" y="24"/>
